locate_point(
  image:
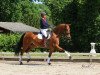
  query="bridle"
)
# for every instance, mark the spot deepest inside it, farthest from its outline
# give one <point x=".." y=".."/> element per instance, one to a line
<point x="66" y="29"/>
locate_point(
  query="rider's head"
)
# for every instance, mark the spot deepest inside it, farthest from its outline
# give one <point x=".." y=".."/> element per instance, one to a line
<point x="43" y="14"/>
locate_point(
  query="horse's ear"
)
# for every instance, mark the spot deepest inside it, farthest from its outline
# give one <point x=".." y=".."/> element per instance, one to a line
<point x="69" y="24"/>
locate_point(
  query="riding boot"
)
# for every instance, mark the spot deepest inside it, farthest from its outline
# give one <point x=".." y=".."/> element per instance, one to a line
<point x="44" y="42"/>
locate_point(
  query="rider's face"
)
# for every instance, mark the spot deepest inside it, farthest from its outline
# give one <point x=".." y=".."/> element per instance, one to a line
<point x="44" y="16"/>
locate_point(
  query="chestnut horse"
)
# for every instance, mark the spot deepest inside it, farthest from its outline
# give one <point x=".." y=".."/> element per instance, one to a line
<point x="30" y="40"/>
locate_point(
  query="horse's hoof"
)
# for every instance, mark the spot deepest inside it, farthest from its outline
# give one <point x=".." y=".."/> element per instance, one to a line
<point x="49" y="63"/>
<point x="28" y="60"/>
<point x="21" y="63"/>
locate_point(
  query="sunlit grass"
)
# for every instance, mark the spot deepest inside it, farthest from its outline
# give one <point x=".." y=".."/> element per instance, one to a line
<point x="54" y="55"/>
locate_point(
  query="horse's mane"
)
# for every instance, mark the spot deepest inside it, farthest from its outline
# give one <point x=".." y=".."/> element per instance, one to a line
<point x="59" y="28"/>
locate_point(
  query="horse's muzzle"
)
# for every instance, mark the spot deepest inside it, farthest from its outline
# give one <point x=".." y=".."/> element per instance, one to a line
<point x="69" y="39"/>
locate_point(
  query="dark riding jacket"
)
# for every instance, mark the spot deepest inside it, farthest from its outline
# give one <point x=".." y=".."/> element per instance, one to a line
<point x="43" y="24"/>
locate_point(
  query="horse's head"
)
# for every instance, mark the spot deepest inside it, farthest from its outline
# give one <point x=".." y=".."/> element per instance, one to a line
<point x="63" y="29"/>
<point x="67" y="31"/>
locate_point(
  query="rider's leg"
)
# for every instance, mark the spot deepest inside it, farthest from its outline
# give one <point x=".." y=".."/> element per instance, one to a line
<point x="44" y="41"/>
<point x="44" y="32"/>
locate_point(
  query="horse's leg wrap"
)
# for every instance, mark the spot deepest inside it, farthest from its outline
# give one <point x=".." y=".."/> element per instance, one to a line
<point x="49" y="56"/>
<point x="67" y="53"/>
<point x="48" y="60"/>
<point x="20" y="59"/>
<point x="28" y="56"/>
<point x="70" y="57"/>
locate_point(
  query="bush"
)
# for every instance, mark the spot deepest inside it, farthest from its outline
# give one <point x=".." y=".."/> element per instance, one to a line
<point x="8" y="41"/>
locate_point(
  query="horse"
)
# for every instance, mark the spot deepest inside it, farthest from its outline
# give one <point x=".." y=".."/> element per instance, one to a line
<point x="30" y="40"/>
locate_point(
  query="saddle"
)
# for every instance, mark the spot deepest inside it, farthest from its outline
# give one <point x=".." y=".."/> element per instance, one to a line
<point x="41" y="36"/>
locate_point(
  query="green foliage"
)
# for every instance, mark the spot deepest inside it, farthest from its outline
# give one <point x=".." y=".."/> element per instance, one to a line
<point x="84" y="18"/>
<point x="24" y="11"/>
<point x="8" y="41"/>
<point x="56" y="7"/>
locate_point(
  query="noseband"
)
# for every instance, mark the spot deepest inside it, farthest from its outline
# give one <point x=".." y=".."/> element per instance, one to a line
<point x="66" y="29"/>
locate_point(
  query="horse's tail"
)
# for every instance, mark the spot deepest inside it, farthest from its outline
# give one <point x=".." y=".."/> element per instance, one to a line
<point x="19" y="45"/>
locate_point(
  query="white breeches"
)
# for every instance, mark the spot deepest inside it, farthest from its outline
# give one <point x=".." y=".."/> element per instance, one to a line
<point x="44" y="32"/>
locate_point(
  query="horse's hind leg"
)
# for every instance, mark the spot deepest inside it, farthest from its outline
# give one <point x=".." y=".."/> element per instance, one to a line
<point x="27" y="52"/>
<point x="20" y="58"/>
<point x="28" y="56"/>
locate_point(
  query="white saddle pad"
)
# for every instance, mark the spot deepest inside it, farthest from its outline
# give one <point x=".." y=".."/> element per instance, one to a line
<point x="40" y="36"/>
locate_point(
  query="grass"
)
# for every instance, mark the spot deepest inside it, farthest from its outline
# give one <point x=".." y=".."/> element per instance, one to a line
<point x="54" y="55"/>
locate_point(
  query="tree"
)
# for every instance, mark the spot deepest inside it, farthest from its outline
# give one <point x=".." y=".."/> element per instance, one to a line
<point x="22" y="11"/>
<point x="56" y="7"/>
<point x="82" y="14"/>
<point x="7" y="8"/>
<point x="88" y="14"/>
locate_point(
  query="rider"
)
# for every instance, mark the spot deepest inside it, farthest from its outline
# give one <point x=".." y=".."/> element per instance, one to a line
<point x="44" y="27"/>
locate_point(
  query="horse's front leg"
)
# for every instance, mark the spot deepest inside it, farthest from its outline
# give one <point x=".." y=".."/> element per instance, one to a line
<point x="66" y="52"/>
<point x="20" y="58"/>
<point x="61" y="49"/>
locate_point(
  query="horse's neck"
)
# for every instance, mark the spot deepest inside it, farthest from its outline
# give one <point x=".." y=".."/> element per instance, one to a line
<point x="59" y="30"/>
